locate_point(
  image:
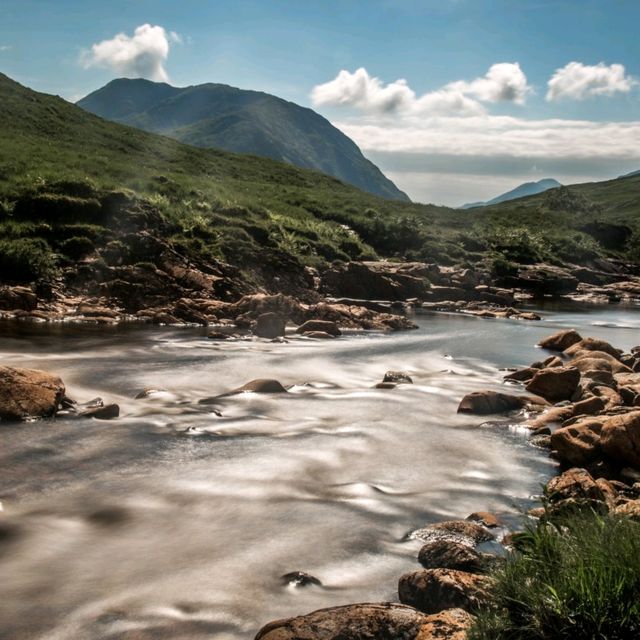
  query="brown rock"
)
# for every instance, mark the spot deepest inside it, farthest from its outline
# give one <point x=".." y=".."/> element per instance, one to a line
<point x="578" y="444"/>
<point x="368" y="621"/>
<point x="592" y="344"/>
<point x="630" y="509"/>
<point x="327" y="326"/>
<point x="448" y="554"/>
<point x="555" y="384"/>
<point x="597" y="360"/>
<point x="318" y="335"/>
<point x="608" y="491"/>
<point x="522" y="375"/>
<point x="28" y="393"/>
<point x="620" y="438"/>
<point x="574" y="486"/>
<point x="261" y="385"/>
<point x="610" y="397"/>
<point x="485" y="518"/>
<point x="464" y="530"/>
<point x="433" y="590"/>
<point x="487" y="402"/>
<point x="269" y="325"/>
<point x="561" y="340"/>
<point x="451" y="624"/>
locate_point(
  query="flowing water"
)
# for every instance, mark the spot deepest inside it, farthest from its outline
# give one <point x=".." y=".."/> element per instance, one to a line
<point x="176" y="522"/>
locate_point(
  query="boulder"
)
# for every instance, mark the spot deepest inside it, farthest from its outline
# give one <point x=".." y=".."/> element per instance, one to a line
<point x="29" y="393"/>
<point x="433" y="590"/>
<point x="326" y="326"/>
<point x="448" y="554"/>
<point x="561" y="340"/>
<point x="485" y="518"/>
<point x="578" y="444"/>
<point x="522" y="375"/>
<point x="592" y="344"/>
<point x="620" y="438"/>
<point x="261" y="385"/>
<point x="575" y="486"/>
<point x="558" y="383"/>
<point x="397" y="377"/>
<point x="450" y="624"/>
<point x="487" y="402"/>
<point x="368" y="621"/>
<point x="17" y="298"/>
<point x="630" y="509"/>
<point x="269" y="325"/>
<point x="299" y="579"/>
<point x="597" y="361"/>
<point x="465" y="531"/>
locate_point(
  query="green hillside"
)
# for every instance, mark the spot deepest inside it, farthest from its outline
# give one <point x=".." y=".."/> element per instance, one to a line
<point x="223" y="117"/>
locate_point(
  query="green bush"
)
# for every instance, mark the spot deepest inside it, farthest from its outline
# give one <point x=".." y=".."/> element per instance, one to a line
<point x="573" y="577"/>
<point x="77" y="247"/>
<point x="26" y="259"/>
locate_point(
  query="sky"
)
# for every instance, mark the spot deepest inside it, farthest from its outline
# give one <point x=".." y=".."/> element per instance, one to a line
<point x="455" y="100"/>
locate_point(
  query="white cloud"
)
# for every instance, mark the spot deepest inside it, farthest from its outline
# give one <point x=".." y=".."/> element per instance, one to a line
<point x="578" y="81"/>
<point x="504" y="82"/>
<point x="142" y="55"/>
<point x="5" y="47"/>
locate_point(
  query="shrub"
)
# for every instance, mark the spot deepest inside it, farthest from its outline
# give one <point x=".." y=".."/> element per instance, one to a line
<point x="574" y="577"/>
<point x="77" y="247"/>
<point x="26" y="259"/>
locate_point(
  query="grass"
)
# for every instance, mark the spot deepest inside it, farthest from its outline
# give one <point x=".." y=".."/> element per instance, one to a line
<point x="573" y="577"/>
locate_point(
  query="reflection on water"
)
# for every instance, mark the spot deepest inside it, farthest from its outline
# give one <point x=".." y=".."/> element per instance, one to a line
<point x="176" y="522"/>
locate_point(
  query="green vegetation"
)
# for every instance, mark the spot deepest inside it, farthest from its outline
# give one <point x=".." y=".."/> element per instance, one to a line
<point x="575" y="576"/>
<point x="70" y="180"/>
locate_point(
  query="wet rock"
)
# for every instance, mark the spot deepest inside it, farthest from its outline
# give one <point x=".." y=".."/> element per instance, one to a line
<point x="447" y="554"/>
<point x="326" y="326"/>
<point x="433" y="590"/>
<point x="318" y="335"/>
<point x="299" y="579"/>
<point x="487" y="402"/>
<point x="578" y="444"/>
<point x="561" y="340"/>
<point x="620" y="438"/>
<point x="269" y="325"/>
<point x="218" y="335"/>
<point x="484" y="518"/>
<point x="165" y="318"/>
<point x="398" y="377"/>
<point x="107" y="412"/>
<point x="575" y="486"/>
<point x="464" y="531"/>
<point x="450" y="624"/>
<point x="593" y="344"/>
<point x="148" y="392"/>
<point x="29" y="393"/>
<point x="543" y="441"/>
<point x="368" y="621"/>
<point x="261" y="385"/>
<point x="522" y="375"/>
<point x="555" y="384"/>
<point x="17" y="298"/>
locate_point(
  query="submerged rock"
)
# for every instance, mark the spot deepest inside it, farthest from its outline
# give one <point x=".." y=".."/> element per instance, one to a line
<point x="487" y="402"/>
<point x="29" y="393"/>
<point x="299" y="579"/>
<point x="367" y="621"/>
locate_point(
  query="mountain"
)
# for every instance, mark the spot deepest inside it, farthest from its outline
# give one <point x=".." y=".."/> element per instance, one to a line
<point x="526" y="189"/>
<point x="631" y="175"/>
<point x="223" y="117"/>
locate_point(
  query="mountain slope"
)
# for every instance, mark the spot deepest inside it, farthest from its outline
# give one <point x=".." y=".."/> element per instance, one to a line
<point x="219" y="116"/>
<point x="524" y="190"/>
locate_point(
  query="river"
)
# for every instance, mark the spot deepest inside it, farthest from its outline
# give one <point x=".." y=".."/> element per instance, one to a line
<point x="175" y="522"/>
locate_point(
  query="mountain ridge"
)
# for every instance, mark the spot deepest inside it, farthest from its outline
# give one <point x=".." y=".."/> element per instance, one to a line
<point x="521" y="191"/>
<point x="215" y="115"/>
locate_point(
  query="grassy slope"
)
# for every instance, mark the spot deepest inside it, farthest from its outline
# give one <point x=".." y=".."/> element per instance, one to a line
<point x="234" y="204"/>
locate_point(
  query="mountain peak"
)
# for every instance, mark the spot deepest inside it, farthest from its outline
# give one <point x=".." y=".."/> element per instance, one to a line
<point x="522" y="191"/>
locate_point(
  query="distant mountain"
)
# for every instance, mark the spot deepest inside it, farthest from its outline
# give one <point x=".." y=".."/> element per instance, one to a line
<point x="631" y="175"/>
<point x="220" y="116"/>
<point x="526" y="189"/>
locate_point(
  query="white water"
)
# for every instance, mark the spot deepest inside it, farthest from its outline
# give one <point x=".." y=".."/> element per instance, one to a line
<point x="193" y="531"/>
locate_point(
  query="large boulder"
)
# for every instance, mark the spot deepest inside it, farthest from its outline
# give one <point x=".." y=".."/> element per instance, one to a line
<point x="555" y="384"/>
<point x="561" y="340"/>
<point x="488" y="402"/>
<point x="450" y="624"/>
<point x="29" y="393"/>
<point x="433" y="590"/>
<point x="368" y="621"/>
<point x="269" y="325"/>
<point x="578" y="444"/>
<point x="449" y="554"/>
<point x="620" y="438"/>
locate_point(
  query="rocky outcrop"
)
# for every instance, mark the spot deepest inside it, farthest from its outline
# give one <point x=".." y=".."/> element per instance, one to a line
<point x="368" y="621"/>
<point x="29" y="393"/>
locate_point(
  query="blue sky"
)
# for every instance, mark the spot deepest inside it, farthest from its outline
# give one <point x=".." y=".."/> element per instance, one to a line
<point x="454" y="131"/>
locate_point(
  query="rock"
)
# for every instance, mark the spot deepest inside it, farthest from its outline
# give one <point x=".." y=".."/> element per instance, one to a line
<point x="553" y="361"/>
<point x="485" y="518"/>
<point x="397" y="377"/>
<point x="218" y="335"/>
<point x="107" y="412"/>
<point x="597" y="361"/>
<point x="450" y="624"/>
<point x="318" y="335"/>
<point x="148" y="392"/>
<point x="464" y="531"/>
<point x="433" y="590"/>
<point x="487" y="402"/>
<point x="269" y="325"/>
<point x="620" y="438"/>
<point x="29" y="393"/>
<point x="261" y="385"/>
<point x="447" y="554"/>
<point x="561" y="340"/>
<point x="326" y="326"/>
<point x="592" y="344"/>
<point x="543" y="279"/>
<point x="555" y="384"/>
<point x="578" y="444"/>
<point x="522" y="375"/>
<point x="630" y="509"/>
<point x="589" y="406"/>
<point x="608" y="491"/>
<point x="610" y="397"/>
<point x="17" y="298"/>
<point x="575" y="486"/>
<point x="299" y="579"/>
<point x="368" y="621"/>
<point x="543" y="441"/>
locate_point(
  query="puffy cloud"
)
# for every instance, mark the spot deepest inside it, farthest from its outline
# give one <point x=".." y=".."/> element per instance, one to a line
<point x="579" y="81"/>
<point x="504" y="82"/>
<point x="142" y="55"/>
